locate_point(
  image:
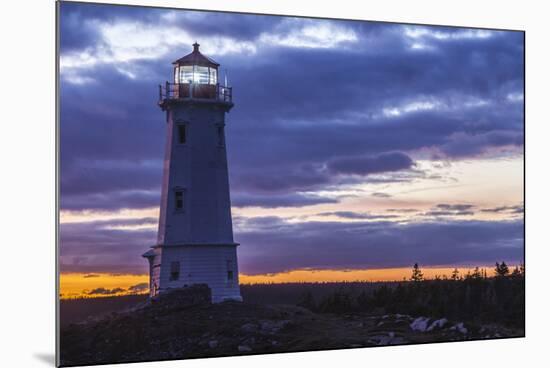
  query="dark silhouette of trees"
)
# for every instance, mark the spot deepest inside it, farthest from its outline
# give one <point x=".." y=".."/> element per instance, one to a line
<point x="307" y="301"/>
<point x="475" y="298"/>
<point x="501" y="270"/>
<point x="338" y="302"/>
<point x="516" y="272"/>
<point x="476" y="275"/>
<point x="455" y="275"/>
<point x="416" y="274"/>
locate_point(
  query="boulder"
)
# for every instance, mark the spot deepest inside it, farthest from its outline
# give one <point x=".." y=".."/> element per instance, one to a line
<point x="249" y="327"/>
<point x="420" y="324"/>
<point x="194" y="295"/>
<point x="244" y="348"/>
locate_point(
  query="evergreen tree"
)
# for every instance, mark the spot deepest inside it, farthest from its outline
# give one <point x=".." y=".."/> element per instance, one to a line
<point x="455" y="275"/>
<point x="504" y="269"/>
<point x="501" y="270"/>
<point x="417" y="273"/>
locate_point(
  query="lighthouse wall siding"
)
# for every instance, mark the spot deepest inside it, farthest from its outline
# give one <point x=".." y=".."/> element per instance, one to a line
<point x="202" y="264"/>
<point x="199" y="168"/>
<point x="155" y="272"/>
<point x="165" y="184"/>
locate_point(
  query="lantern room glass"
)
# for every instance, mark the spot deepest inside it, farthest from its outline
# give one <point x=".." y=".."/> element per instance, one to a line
<point x="195" y="74"/>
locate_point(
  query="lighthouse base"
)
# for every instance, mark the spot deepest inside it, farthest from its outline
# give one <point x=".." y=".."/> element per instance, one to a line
<point x="179" y="266"/>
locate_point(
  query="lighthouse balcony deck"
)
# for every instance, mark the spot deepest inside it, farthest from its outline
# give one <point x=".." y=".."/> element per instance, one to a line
<point x="194" y="91"/>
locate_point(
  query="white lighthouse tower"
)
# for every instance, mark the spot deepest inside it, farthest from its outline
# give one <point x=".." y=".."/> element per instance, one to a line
<point x="195" y="235"/>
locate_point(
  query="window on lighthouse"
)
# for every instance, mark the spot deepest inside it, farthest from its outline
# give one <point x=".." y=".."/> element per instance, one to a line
<point x="201" y="75"/>
<point x="186" y="73"/>
<point x="196" y="74"/>
<point x="179" y="200"/>
<point x="213" y="76"/>
<point x="182" y="133"/>
<point x="174" y="271"/>
<point x="229" y="270"/>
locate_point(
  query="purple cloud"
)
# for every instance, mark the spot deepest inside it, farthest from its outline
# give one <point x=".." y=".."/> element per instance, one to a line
<point x="385" y="162"/>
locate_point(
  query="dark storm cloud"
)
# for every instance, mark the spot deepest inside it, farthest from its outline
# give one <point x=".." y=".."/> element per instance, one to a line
<point x="274" y="201"/>
<point x="445" y="209"/>
<point x="294" y="176"/>
<point x="138" y="287"/>
<point x="110" y="200"/>
<point x="281" y="246"/>
<point x="105" y="246"/>
<point x="381" y="195"/>
<point x="269" y="179"/>
<point x="505" y="209"/>
<point x="449" y="213"/>
<point x="104" y="291"/>
<point x="464" y="145"/>
<point x="356" y="215"/>
<point x="455" y="207"/>
<point x="384" y="162"/>
<point x="402" y="210"/>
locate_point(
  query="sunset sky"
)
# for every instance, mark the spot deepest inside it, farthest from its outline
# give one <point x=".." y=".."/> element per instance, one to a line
<point x="351" y="146"/>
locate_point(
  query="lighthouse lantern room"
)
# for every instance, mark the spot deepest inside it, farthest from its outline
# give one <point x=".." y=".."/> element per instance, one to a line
<point x="195" y="235"/>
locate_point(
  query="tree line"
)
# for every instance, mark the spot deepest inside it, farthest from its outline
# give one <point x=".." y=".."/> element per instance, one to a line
<point x="474" y="297"/>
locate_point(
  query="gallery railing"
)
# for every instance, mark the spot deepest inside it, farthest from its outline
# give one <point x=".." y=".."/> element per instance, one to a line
<point x="179" y="91"/>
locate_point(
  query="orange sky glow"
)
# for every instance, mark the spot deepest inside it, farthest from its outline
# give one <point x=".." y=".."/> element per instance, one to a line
<point x="78" y="285"/>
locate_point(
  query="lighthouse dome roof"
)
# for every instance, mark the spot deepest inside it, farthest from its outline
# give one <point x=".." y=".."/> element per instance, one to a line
<point x="196" y="58"/>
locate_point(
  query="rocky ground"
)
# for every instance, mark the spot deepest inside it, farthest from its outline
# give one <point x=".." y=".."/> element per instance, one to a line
<point x="185" y="325"/>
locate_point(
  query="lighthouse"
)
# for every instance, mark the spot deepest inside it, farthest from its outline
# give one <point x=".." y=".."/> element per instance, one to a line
<point x="195" y="233"/>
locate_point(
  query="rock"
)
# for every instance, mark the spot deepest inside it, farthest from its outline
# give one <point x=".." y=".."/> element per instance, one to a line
<point x="437" y="324"/>
<point x="249" y="341"/>
<point x="420" y="324"/>
<point x="460" y="328"/>
<point x="389" y="339"/>
<point x="213" y="344"/>
<point x="244" y="348"/>
<point x="271" y="327"/>
<point x="194" y="295"/>
<point x="249" y="327"/>
<point x="380" y="339"/>
<point x="397" y="341"/>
